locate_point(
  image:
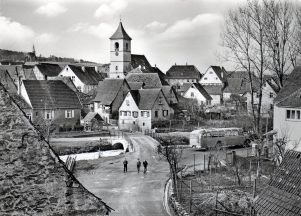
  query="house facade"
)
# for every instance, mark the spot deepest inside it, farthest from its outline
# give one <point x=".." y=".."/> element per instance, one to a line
<point x="197" y="92"/>
<point x="141" y="108"/>
<point x="51" y="100"/>
<point x="287" y="111"/>
<point x="214" y="75"/>
<point x="84" y="78"/>
<point x="45" y="71"/>
<point x="110" y="94"/>
<point x="215" y="92"/>
<point x="177" y="75"/>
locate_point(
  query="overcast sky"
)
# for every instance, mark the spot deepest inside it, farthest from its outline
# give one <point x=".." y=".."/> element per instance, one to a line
<point x="165" y="31"/>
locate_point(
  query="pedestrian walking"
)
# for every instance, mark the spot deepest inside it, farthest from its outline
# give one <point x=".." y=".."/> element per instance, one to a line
<point x="138" y="165"/>
<point x="145" y="166"/>
<point x="125" y="165"/>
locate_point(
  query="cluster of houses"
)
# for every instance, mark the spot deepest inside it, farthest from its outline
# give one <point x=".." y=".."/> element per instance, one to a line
<point x="134" y="94"/>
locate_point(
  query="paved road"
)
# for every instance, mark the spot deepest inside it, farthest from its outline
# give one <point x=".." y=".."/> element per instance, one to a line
<point x="130" y="193"/>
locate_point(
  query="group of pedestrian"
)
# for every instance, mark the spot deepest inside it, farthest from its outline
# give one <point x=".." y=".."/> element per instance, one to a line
<point x="145" y="164"/>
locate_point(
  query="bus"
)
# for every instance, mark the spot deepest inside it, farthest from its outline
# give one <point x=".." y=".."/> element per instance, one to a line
<point x="205" y="139"/>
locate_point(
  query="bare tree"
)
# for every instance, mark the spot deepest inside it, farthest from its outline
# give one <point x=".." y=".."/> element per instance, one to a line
<point x="281" y="37"/>
<point x="169" y="151"/>
<point x="45" y="126"/>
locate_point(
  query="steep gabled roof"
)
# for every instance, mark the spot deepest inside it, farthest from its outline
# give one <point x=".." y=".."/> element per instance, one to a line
<point x="292" y="85"/>
<point x="107" y="90"/>
<point x="50" y="70"/>
<point x="283" y="194"/>
<point x="220" y="72"/>
<point x="120" y="33"/>
<point x="145" y="98"/>
<point x="183" y="72"/>
<point x="150" y="80"/>
<point x="51" y="94"/>
<point x="92" y="115"/>
<point x="136" y="85"/>
<point x="7" y="81"/>
<point x="236" y="86"/>
<point x="88" y="76"/>
<point x="140" y="61"/>
<point x="293" y="100"/>
<point x="170" y="94"/>
<point x="37" y="181"/>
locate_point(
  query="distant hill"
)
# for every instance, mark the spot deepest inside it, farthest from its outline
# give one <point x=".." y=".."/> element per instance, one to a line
<point x="17" y="56"/>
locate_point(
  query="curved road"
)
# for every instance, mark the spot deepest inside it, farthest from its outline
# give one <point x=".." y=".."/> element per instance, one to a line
<point x="130" y="193"/>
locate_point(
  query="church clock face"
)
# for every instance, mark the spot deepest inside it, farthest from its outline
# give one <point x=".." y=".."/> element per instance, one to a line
<point x="116" y="53"/>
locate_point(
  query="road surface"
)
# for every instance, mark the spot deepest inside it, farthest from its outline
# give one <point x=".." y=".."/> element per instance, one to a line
<point x="129" y="193"/>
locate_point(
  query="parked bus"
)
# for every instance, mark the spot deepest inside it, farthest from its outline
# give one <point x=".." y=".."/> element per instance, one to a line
<point x="218" y="137"/>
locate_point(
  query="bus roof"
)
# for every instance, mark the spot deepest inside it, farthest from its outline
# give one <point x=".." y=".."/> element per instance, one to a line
<point x="214" y="129"/>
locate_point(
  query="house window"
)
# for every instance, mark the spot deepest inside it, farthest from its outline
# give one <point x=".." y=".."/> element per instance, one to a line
<point x="145" y="114"/>
<point x="127" y="102"/>
<point x="271" y="107"/>
<point x="135" y="114"/>
<point x="73" y="78"/>
<point x="216" y="78"/>
<point x="210" y="72"/>
<point x="271" y="95"/>
<point x="127" y="47"/>
<point x="116" y="46"/>
<point x="134" y="122"/>
<point x="165" y="112"/>
<point x="69" y="113"/>
<point x="79" y="88"/>
<point x="125" y="113"/>
<point x="205" y="78"/>
<point x="160" y="100"/>
<point x="129" y="113"/>
<point x="156" y="114"/>
<point x="143" y="124"/>
<point x="192" y="94"/>
<point x="293" y="114"/>
<point x="49" y="114"/>
<point x="257" y="94"/>
<point x="37" y="113"/>
<point x="187" y="80"/>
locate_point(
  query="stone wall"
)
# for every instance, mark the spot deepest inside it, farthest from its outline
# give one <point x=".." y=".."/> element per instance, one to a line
<point x="33" y="180"/>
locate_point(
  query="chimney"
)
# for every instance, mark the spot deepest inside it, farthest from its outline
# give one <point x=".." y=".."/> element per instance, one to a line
<point x="155" y="66"/>
<point x="175" y="63"/>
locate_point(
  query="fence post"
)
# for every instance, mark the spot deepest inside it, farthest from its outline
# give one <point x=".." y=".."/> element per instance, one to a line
<point x="180" y="188"/>
<point x="190" y="196"/>
<point x="254" y="188"/>
<point x="216" y="203"/>
<point x="204" y="163"/>
<point x="194" y="163"/>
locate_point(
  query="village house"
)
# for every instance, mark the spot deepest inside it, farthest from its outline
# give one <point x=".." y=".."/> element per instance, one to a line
<point x="84" y="78"/>
<point x="215" y="92"/>
<point x="110" y="94"/>
<point x="45" y="71"/>
<point x="149" y="80"/>
<point x="51" y="100"/>
<point x="177" y="75"/>
<point x="92" y="122"/>
<point x="287" y="111"/>
<point x="143" y="107"/>
<point x="170" y="95"/>
<point x="197" y="92"/>
<point x="214" y="75"/>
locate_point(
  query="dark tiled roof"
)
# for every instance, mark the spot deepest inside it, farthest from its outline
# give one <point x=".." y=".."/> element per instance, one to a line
<point x="184" y="87"/>
<point x="89" y="76"/>
<point x="293" y="100"/>
<point x="120" y="33"/>
<point x="141" y="62"/>
<point x="13" y="70"/>
<point x="136" y="85"/>
<point x="213" y="89"/>
<point x="283" y="194"/>
<point x="7" y="81"/>
<point x="150" y="80"/>
<point x="34" y="180"/>
<point x="50" y="70"/>
<point x="145" y="98"/>
<point x="51" y="94"/>
<point x="236" y="86"/>
<point x="108" y="89"/>
<point x="170" y="94"/>
<point x="20" y="101"/>
<point x="183" y="72"/>
<point x="292" y="85"/>
<point x="220" y="72"/>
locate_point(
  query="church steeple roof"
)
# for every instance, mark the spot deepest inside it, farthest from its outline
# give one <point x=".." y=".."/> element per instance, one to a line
<point x="120" y="33"/>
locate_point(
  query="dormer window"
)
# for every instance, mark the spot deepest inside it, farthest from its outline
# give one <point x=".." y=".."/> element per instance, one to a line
<point x="116" y="68"/>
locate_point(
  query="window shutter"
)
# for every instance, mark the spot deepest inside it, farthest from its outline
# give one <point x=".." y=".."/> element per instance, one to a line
<point x="45" y="113"/>
<point x="65" y="113"/>
<point x="72" y="114"/>
<point x="52" y="114"/>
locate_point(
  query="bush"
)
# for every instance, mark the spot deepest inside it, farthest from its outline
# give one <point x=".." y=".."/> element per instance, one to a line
<point x="117" y="146"/>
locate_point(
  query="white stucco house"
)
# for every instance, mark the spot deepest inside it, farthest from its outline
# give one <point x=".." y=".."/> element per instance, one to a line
<point x="214" y="75"/>
<point x="141" y="108"/>
<point x="287" y="111"/>
<point x="197" y="92"/>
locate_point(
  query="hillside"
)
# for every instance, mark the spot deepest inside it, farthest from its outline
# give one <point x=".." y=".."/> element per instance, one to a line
<point x="17" y="56"/>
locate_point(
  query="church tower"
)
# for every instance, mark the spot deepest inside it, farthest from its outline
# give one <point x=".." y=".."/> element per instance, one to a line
<point x="120" y="53"/>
